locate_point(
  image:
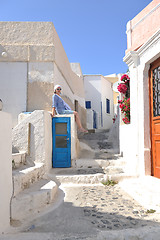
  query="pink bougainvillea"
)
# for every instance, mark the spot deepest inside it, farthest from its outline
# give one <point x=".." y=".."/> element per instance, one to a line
<point x="122" y="88"/>
<point x="125" y="77"/>
<point x="124" y="104"/>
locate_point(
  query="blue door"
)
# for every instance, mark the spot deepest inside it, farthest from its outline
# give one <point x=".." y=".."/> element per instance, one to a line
<point x="61" y="136"/>
<point x="94" y="119"/>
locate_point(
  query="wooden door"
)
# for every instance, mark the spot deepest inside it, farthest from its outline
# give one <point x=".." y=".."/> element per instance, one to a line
<point x="155" y="116"/>
<point x="61" y="135"/>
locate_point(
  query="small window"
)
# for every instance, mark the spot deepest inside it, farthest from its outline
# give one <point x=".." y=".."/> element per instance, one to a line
<point x="107" y="106"/>
<point x="88" y="104"/>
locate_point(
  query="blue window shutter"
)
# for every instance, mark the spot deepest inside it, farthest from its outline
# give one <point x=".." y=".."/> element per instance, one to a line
<point x="88" y="104"/>
<point x="107" y="106"/>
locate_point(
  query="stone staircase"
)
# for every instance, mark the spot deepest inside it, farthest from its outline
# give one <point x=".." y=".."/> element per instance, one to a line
<point x="89" y="172"/>
<point x="97" y="163"/>
<point x="31" y="192"/>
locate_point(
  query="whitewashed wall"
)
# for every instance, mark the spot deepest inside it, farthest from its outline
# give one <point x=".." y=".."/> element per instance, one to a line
<point x="5" y="169"/>
<point x="97" y="89"/>
<point x="138" y="137"/>
<point x="89" y="119"/>
<point x="34" y="61"/>
<point x="13" y="87"/>
<point x="92" y="85"/>
<point x="107" y="93"/>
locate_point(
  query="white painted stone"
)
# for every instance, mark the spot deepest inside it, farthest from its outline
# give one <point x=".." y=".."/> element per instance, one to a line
<point x="81" y="179"/>
<point x="6" y="169"/>
<point x="18" y="159"/>
<point x="24" y="178"/>
<point x="40" y="137"/>
<point x="34" y="199"/>
<point x="21" y="138"/>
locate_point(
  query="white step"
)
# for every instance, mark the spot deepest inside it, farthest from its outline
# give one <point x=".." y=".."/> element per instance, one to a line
<point x="98" y="163"/>
<point x="91" y="163"/>
<point x="31" y="201"/>
<point x="81" y="179"/>
<point x="25" y="177"/>
<point x="90" y="178"/>
<point x="18" y="159"/>
<point x="87" y="175"/>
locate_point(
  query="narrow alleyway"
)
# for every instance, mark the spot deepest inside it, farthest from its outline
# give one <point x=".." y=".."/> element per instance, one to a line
<point x="87" y="209"/>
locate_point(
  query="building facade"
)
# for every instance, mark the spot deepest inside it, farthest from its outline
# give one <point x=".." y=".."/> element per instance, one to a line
<point x="32" y="61"/>
<point x="143" y="59"/>
<point x="99" y="100"/>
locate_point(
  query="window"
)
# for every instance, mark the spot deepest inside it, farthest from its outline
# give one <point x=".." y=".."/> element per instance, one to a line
<point x="88" y="104"/>
<point x="107" y="106"/>
<point x="76" y="105"/>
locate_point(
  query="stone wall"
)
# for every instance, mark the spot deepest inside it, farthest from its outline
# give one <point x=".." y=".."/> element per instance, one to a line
<point x="32" y="61"/>
<point x="36" y="140"/>
<point x="38" y="143"/>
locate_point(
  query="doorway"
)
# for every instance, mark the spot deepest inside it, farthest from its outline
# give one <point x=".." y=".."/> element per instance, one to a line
<point x="61" y="136"/>
<point x="155" y="116"/>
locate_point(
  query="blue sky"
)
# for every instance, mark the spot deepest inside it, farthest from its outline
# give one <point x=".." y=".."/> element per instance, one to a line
<point x="93" y="32"/>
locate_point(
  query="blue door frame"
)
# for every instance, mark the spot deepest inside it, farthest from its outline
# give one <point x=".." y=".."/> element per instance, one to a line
<point x="61" y="142"/>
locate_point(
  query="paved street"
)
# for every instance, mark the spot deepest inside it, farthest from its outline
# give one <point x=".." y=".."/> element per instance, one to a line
<point x="90" y="211"/>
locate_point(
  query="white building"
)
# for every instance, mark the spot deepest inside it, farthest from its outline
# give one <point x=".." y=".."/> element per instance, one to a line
<point x="32" y="61"/>
<point x="99" y="100"/>
<point x="140" y="140"/>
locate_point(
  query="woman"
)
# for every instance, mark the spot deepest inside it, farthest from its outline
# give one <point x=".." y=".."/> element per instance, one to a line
<point x="61" y="107"/>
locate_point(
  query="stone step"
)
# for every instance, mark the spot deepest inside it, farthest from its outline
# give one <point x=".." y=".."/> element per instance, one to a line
<point x="84" y="176"/>
<point x="111" y="170"/>
<point x="33" y="200"/>
<point x="81" y="179"/>
<point x="24" y="177"/>
<point x="18" y="159"/>
<point x="98" y="163"/>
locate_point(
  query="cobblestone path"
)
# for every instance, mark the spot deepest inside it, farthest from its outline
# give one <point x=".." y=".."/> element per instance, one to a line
<point x="109" y="208"/>
<point x="89" y="209"/>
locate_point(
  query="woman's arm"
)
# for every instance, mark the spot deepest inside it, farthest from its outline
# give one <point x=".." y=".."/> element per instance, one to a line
<point x="53" y="111"/>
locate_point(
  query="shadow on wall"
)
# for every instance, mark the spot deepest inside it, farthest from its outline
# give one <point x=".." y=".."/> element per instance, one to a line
<point x="40" y="96"/>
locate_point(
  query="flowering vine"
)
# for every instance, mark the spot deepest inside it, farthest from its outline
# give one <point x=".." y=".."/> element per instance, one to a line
<point x="124" y="104"/>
